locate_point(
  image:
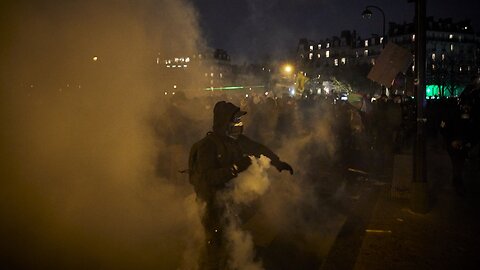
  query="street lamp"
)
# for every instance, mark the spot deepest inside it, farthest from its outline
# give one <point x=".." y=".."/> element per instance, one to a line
<point x="367" y="14"/>
<point x="288" y="69"/>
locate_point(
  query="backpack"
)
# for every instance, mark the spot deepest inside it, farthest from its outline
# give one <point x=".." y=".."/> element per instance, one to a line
<point x="195" y="177"/>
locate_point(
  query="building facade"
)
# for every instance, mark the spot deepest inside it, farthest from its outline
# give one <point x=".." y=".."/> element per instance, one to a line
<point x="209" y="69"/>
<point x="453" y="54"/>
<point x="321" y="57"/>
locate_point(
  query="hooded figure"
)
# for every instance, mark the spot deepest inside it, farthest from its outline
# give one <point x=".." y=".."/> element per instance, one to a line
<point x="214" y="161"/>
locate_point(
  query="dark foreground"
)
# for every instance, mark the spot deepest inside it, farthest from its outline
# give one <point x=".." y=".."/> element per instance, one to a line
<point x="381" y="231"/>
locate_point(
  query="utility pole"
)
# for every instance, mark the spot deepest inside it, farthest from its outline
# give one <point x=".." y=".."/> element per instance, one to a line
<point x="420" y="201"/>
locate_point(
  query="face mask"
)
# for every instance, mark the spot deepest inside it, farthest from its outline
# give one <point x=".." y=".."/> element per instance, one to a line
<point x="236" y="129"/>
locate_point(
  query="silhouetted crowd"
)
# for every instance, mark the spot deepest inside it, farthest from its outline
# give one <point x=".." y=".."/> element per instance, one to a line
<point x="357" y="136"/>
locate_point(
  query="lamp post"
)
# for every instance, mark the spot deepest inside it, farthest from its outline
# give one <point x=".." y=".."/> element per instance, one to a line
<point x="367" y="14"/>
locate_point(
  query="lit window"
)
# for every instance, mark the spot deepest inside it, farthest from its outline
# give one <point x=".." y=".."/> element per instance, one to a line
<point x="311" y="48"/>
<point x="206" y="74"/>
<point x="465" y="28"/>
<point x="336" y="62"/>
<point x="365" y="52"/>
<point x="158" y="60"/>
<point x="443" y="56"/>
<point x="211" y="74"/>
<point x="451" y="47"/>
<point x="450" y="36"/>
<point x="319" y="46"/>
<point x="174" y="65"/>
<point x="318" y="55"/>
<point x="184" y="66"/>
<point x="468" y="68"/>
<point x="381" y="40"/>
<point x="176" y="60"/>
<point x="413" y="37"/>
<point x="221" y="75"/>
<point x="460" y="69"/>
<point x="168" y="66"/>
<point x="433" y="56"/>
<point x="366" y="43"/>
<point x="372" y="61"/>
<point x="344" y="60"/>
<point x="310" y="56"/>
<point x="187" y="60"/>
<point x="433" y="67"/>
<point x="413" y="67"/>
<point x="327" y="54"/>
<point x="328" y="45"/>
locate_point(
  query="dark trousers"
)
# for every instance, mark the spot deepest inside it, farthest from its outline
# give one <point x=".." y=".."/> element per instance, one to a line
<point x="215" y="255"/>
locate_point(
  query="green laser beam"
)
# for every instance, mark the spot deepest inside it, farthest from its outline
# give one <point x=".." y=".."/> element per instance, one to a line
<point x="233" y="87"/>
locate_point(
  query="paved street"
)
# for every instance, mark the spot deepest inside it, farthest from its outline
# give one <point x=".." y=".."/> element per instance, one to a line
<point x="385" y="233"/>
<point x="380" y="231"/>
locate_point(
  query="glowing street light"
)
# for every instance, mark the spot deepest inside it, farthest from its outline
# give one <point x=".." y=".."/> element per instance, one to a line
<point x="288" y="68"/>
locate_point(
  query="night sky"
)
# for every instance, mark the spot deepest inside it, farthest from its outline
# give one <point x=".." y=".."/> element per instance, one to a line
<point x="250" y="30"/>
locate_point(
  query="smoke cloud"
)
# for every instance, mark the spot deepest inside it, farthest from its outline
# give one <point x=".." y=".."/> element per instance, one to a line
<point x="246" y="188"/>
<point x="79" y="183"/>
<point x="252" y="183"/>
<point x="91" y="147"/>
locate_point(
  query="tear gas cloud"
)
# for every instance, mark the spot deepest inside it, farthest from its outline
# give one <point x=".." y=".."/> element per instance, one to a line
<point x="248" y="187"/>
<point x="78" y="151"/>
<point x="91" y="147"/>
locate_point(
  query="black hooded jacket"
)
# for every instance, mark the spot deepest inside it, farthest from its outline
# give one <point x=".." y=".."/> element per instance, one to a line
<point x="212" y="159"/>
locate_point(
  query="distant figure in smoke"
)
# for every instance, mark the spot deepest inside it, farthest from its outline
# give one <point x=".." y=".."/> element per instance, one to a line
<point x="214" y="162"/>
<point x="461" y="131"/>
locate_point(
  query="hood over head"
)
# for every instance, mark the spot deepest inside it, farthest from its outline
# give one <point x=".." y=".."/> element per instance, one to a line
<point x="223" y="115"/>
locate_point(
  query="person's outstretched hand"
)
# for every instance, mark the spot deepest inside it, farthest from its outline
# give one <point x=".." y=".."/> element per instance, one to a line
<point x="284" y="166"/>
<point x="242" y="164"/>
